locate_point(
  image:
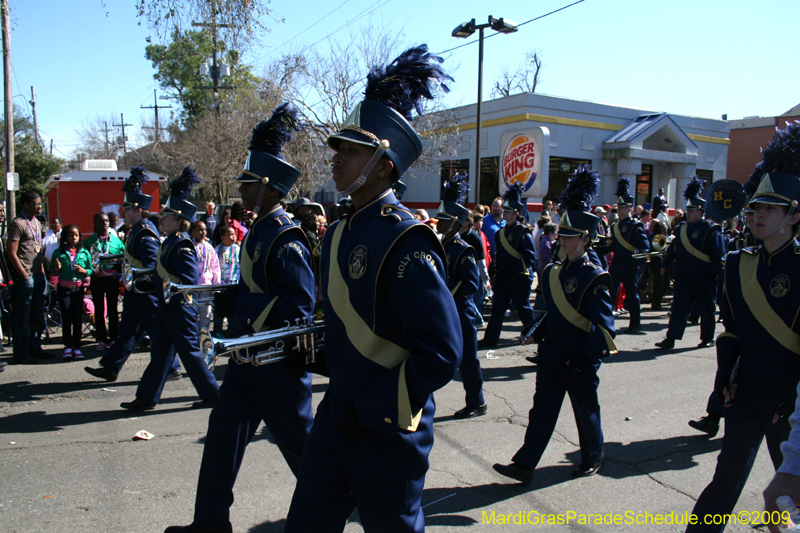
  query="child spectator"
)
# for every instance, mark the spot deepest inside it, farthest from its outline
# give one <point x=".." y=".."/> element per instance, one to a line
<point x="73" y="265"/>
<point x="228" y="253"/>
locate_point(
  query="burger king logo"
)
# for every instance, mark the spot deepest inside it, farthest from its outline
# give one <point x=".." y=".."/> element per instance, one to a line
<point x="518" y="162"/>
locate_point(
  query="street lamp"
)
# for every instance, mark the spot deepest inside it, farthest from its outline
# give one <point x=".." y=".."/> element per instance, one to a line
<point x="462" y="31"/>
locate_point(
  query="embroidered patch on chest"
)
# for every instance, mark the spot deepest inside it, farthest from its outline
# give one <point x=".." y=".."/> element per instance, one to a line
<point x="571" y="285"/>
<point x="695" y="235"/>
<point x="357" y="264"/>
<point x="779" y="286"/>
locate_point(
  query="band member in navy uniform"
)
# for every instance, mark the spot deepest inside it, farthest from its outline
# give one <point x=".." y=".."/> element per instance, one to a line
<point x="176" y="323"/>
<point x="698" y="248"/>
<point x="577" y="333"/>
<point x="628" y="237"/>
<point x="139" y="309"/>
<point x="392" y="331"/>
<point x="463" y="280"/>
<point x="514" y="267"/>
<point x="277" y="285"/>
<point x="757" y="354"/>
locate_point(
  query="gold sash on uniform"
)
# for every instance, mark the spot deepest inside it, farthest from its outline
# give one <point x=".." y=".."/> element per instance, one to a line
<point x="625" y="244"/>
<point x="690" y="247"/>
<point x="510" y="249"/>
<point x="375" y="348"/>
<point x="759" y="306"/>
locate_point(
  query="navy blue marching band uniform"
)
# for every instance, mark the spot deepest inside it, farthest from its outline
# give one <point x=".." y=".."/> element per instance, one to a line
<point x="628" y="237"/>
<point x="759" y="349"/>
<point x="176" y="324"/>
<point x="577" y="333"/>
<point x="463" y="280"/>
<point x="139" y="309"/>
<point x="698" y="250"/>
<point x="276" y="286"/>
<point x="514" y="267"/>
<point x="392" y="338"/>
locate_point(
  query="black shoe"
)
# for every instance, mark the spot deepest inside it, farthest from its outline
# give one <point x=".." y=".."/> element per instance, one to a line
<point x="706" y="344"/>
<point x="102" y="373"/>
<point x="666" y="344"/>
<point x="26" y="360"/>
<point x="175" y="375"/>
<point x="693" y="321"/>
<point x="139" y="404"/>
<point x="471" y="412"/>
<point x="208" y="403"/>
<point x="484" y="343"/>
<point x="533" y="359"/>
<point x="708" y="424"/>
<point x="521" y="473"/>
<point x="45" y="355"/>
<point x="633" y="329"/>
<point x="656" y="308"/>
<point x="191" y="528"/>
<point x="586" y="470"/>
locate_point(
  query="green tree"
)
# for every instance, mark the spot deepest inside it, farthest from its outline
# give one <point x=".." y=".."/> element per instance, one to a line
<point x="178" y="71"/>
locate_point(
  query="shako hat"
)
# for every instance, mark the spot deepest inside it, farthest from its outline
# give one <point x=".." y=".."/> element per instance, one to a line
<point x="454" y="197"/>
<point x="134" y="197"/>
<point x="180" y="188"/>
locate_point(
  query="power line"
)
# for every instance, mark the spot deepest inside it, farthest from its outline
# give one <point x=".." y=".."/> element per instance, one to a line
<point x="305" y="30"/>
<point x="361" y="15"/>
<point x="519" y="25"/>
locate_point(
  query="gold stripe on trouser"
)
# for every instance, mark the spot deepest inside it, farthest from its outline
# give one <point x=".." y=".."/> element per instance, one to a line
<point x="367" y="342"/>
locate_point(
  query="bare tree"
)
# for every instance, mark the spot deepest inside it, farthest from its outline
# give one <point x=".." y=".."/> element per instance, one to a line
<point x="99" y="139"/>
<point x="525" y="78"/>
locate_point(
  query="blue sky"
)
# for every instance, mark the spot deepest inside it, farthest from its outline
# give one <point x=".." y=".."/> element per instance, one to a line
<point x="704" y="58"/>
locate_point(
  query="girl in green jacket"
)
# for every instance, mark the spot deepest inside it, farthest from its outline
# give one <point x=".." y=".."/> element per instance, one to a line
<point x="73" y="265"/>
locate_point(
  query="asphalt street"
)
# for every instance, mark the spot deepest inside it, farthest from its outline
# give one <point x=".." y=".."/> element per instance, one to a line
<point x="68" y="462"/>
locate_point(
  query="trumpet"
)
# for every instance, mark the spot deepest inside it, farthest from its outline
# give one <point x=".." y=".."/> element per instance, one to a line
<point x="132" y="276"/>
<point x="306" y="336"/>
<point x="188" y="291"/>
<point x="659" y="247"/>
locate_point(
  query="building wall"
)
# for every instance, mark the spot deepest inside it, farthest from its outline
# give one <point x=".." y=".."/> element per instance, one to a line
<point x="746" y="145"/>
<point x="77" y="202"/>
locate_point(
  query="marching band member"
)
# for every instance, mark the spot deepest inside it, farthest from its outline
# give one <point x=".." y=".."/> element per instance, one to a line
<point x="139" y="310"/>
<point x="276" y="286"/>
<point x="758" y="368"/>
<point x="514" y="266"/>
<point x="176" y="328"/>
<point x="628" y="238"/>
<point x="576" y="334"/>
<point x="373" y="431"/>
<point x="698" y="249"/>
<point x="463" y="280"/>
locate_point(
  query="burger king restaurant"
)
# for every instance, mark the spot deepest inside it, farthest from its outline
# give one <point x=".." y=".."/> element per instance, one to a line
<point x="539" y="141"/>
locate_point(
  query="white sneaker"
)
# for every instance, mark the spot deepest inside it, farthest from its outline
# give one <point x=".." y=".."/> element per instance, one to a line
<point x="67" y="353"/>
<point x="76" y="354"/>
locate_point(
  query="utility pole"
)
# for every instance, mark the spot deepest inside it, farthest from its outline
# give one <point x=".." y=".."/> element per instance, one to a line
<point x="51" y="147"/>
<point x="124" y="137"/>
<point x="156" y="107"/>
<point x="35" y="122"/>
<point x="215" y="77"/>
<point x="11" y="210"/>
<point x="106" y="130"/>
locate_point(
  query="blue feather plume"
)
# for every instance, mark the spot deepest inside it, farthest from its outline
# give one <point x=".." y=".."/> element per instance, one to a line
<point x="456" y="189"/>
<point x="514" y="193"/>
<point x="406" y="81"/>
<point x="623" y="187"/>
<point x="581" y="189"/>
<point x="781" y="155"/>
<point x="134" y="182"/>
<point x="182" y="186"/>
<point x="694" y="189"/>
<point x="270" y="135"/>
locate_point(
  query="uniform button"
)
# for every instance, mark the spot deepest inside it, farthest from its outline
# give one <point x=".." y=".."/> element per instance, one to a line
<point x="605" y="352"/>
<point x="387" y="420"/>
<point x="248" y="321"/>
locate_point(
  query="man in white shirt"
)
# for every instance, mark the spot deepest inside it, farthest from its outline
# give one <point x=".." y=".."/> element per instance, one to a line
<point x="52" y="237"/>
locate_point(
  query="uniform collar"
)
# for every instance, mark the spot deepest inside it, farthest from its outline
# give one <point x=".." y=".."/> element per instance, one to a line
<point x="579" y="261"/>
<point x="357" y="217"/>
<point x="784" y="251"/>
<point x="274" y="213"/>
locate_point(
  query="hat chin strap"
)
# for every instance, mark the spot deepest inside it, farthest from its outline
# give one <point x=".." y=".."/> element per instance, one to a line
<point x="789" y="213"/>
<point x="261" y="192"/>
<point x="362" y="179"/>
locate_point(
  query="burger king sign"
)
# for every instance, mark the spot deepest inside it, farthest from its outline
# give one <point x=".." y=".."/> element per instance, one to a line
<point x="524" y="160"/>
